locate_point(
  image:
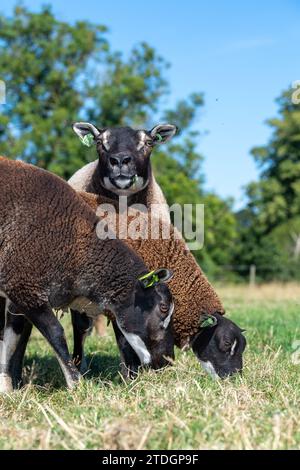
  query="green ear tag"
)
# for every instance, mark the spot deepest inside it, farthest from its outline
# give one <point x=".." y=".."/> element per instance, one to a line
<point x="149" y="279"/>
<point x="207" y="323"/>
<point x="87" y="140"/>
<point x="158" y="138"/>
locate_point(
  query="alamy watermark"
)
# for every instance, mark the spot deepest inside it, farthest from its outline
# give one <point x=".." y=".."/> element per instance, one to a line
<point x="138" y="222"/>
<point x="296" y="93"/>
<point x="2" y="92"/>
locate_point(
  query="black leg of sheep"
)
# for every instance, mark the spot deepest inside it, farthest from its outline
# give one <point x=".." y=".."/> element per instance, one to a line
<point x="14" y="341"/>
<point x="82" y="327"/>
<point x="2" y="317"/>
<point x="18" y="357"/>
<point x="46" y="322"/>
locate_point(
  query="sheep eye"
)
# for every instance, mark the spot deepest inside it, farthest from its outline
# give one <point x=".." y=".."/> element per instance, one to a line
<point x="226" y="346"/>
<point x="149" y="143"/>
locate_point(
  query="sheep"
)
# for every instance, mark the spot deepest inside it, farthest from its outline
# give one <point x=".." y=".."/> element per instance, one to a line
<point x="122" y="169"/>
<point x="51" y="257"/>
<point x="197" y="321"/>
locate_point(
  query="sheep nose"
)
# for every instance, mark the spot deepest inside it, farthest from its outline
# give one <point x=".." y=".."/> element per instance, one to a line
<point x="120" y="160"/>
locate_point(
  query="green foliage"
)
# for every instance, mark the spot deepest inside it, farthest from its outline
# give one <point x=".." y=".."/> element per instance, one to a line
<point x="127" y="91"/>
<point x="276" y="197"/>
<point x="57" y="73"/>
<point x="220" y="233"/>
<point x="280" y="252"/>
<point x="268" y="226"/>
<point x="42" y="60"/>
<point x="182" y="182"/>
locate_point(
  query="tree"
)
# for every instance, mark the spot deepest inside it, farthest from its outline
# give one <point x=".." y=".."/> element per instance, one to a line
<point x="42" y="61"/>
<point x="127" y="91"/>
<point x="178" y="169"/>
<point x="275" y="198"/>
<point x="57" y="73"/>
<point x="268" y="226"/>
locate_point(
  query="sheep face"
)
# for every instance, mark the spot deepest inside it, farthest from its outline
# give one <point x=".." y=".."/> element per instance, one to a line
<point x="124" y="154"/>
<point x="147" y="325"/>
<point x="219" y="346"/>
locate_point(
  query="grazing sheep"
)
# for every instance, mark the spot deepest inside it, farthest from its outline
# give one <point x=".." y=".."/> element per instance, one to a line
<point x="51" y="257"/>
<point x="216" y="341"/>
<point x="122" y="169"/>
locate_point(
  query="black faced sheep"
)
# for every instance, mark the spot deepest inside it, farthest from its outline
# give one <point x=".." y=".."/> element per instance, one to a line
<point x="51" y="257"/>
<point x="123" y="167"/>
<point x="217" y="342"/>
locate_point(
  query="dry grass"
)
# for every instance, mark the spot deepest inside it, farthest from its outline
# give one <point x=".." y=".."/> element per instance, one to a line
<point x="177" y="408"/>
<point x="275" y="292"/>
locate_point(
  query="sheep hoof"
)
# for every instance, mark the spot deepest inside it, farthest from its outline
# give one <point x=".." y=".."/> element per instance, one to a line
<point x="6" y="385"/>
<point x="128" y="373"/>
<point x="83" y="366"/>
<point x="73" y="383"/>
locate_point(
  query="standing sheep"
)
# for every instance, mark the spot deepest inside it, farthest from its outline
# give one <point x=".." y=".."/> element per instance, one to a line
<point x="51" y="257"/>
<point x="122" y="169"/>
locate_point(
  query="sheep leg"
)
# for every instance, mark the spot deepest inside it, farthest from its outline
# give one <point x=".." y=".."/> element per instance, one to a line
<point x="46" y="322"/>
<point x="2" y="321"/>
<point x="2" y="317"/>
<point x="82" y="327"/>
<point x="18" y="357"/>
<point x="14" y="324"/>
<point x="130" y="362"/>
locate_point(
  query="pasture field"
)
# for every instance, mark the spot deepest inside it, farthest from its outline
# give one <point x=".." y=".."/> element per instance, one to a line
<point x="178" y="408"/>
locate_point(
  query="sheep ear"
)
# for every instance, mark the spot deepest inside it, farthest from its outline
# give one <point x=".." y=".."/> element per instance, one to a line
<point x="86" y="132"/>
<point x="155" y="277"/>
<point x="162" y="133"/>
<point x="207" y="321"/>
<point x="164" y="274"/>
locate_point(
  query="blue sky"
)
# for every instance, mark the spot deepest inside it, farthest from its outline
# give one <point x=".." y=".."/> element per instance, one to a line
<point x="240" y="54"/>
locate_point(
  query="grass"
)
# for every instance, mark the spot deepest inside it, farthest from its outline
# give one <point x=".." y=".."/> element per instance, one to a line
<point x="178" y="408"/>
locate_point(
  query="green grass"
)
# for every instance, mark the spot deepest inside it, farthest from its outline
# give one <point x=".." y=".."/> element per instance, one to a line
<point x="178" y="408"/>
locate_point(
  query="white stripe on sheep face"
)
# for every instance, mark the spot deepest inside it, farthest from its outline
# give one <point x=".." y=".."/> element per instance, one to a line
<point x="138" y="345"/>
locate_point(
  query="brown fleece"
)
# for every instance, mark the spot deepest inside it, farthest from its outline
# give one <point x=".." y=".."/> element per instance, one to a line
<point x="49" y="250"/>
<point x="193" y="293"/>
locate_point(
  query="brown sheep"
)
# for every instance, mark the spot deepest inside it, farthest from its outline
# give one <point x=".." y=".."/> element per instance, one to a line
<point x="194" y="298"/>
<point x="51" y="257"/>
